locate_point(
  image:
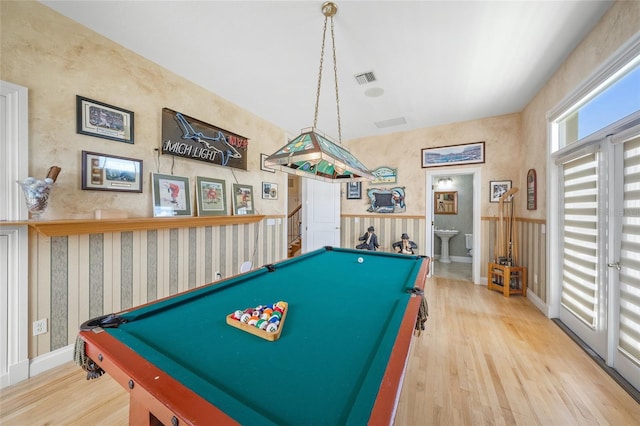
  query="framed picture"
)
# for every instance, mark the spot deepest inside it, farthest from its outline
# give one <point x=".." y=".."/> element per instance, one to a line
<point x="103" y="172"/>
<point x="262" y="165"/>
<point x="531" y="190"/>
<point x="354" y="190"/>
<point x="171" y="196"/>
<point x="384" y="175"/>
<point x="103" y="121"/>
<point x="212" y="196"/>
<point x="269" y="191"/>
<point x="445" y="202"/>
<point x="242" y="199"/>
<point x="497" y="188"/>
<point x="453" y="155"/>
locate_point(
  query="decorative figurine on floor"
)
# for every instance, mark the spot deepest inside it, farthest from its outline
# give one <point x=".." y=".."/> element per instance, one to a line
<point x="370" y="240"/>
<point x="404" y="246"/>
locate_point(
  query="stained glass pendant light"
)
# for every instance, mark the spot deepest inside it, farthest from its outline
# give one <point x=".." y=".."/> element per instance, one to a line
<point x="312" y="154"/>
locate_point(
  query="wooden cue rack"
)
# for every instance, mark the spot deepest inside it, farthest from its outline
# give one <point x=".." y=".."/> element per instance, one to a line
<point x="504" y="274"/>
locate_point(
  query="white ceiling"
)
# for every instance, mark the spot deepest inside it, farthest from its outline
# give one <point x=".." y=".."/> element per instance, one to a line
<point x="435" y="61"/>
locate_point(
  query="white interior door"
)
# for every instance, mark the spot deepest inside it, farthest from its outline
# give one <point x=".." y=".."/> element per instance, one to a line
<point x="320" y="214"/>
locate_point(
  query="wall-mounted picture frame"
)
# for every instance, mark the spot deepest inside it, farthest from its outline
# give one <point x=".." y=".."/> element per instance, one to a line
<point x="384" y="175"/>
<point x="497" y="188"/>
<point x="211" y="196"/>
<point x="354" y="190"/>
<point x="453" y="155"/>
<point x="269" y="191"/>
<point x="531" y="190"/>
<point x="242" y="199"/>
<point x="171" y="195"/>
<point x="98" y="119"/>
<point x="445" y="202"/>
<point x="263" y="167"/>
<point x="105" y="172"/>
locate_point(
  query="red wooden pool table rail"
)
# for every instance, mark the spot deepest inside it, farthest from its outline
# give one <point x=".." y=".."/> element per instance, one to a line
<point x="156" y="392"/>
<point x="153" y="390"/>
<point x="384" y="409"/>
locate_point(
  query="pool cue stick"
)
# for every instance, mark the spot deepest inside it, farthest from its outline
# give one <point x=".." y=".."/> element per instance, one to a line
<point x="500" y="227"/>
<point x="507" y="194"/>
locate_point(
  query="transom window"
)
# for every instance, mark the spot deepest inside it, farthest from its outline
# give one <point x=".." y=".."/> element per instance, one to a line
<point x="611" y="100"/>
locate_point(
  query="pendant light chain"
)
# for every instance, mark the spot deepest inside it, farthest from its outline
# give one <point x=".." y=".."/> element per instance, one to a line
<point x="335" y="76"/>
<point x="315" y="115"/>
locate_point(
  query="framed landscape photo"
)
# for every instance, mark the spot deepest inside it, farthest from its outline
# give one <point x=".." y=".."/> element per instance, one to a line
<point x="212" y="196"/>
<point x="497" y="188"/>
<point x="269" y="191"/>
<point x="354" y="190"/>
<point x="171" y="196"/>
<point x="104" y="172"/>
<point x="242" y="199"/>
<point x="97" y="119"/>
<point x="453" y="155"/>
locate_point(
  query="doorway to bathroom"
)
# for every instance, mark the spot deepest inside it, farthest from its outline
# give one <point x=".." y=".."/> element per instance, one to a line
<point x="453" y="222"/>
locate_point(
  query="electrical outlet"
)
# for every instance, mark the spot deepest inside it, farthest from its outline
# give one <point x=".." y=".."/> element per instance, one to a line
<point x="40" y="327"/>
<point x="218" y="276"/>
<point x="535" y="278"/>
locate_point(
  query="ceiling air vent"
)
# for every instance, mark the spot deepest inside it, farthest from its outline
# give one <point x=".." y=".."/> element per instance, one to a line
<point x="365" y="77"/>
<point x="390" y="123"/>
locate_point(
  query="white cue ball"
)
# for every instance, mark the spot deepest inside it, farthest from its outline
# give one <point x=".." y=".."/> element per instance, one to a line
<point x="360" y="260"/>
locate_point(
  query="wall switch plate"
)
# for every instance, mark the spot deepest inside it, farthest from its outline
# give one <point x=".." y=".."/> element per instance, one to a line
<point x="40" y="327"/>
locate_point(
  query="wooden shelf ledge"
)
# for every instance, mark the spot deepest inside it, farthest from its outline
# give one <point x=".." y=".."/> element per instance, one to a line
<point x="57" y="228"/>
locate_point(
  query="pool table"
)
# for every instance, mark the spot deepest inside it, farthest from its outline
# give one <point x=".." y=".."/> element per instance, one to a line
<point x="340" y="357"/>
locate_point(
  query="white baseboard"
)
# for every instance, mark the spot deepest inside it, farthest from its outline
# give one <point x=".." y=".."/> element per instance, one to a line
<point x="461" y="259"/>
<point x="457" y="259"/>
<point x="538" y="303"/>
<point x="15" y="374"/>
<point x="50" y="360"/>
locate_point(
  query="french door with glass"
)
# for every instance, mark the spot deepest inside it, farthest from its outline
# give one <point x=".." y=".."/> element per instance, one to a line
<point x="600" y="249"/>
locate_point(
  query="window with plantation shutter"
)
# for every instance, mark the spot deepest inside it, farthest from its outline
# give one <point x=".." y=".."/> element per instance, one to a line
<point x="580" y="238"/>
<point x="629" y="334"/>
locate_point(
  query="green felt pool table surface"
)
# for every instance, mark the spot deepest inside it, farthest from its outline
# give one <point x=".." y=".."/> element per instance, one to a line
<point x="328" y="364"/>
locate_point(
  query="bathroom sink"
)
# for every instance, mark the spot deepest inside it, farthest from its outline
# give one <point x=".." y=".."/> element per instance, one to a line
<point x="445" y="235"/>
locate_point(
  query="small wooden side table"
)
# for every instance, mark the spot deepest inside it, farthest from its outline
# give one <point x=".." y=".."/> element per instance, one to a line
<point x="507" y="279"/>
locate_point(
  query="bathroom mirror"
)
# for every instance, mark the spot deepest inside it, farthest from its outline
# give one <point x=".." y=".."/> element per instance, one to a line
<point x="445" y="202"/>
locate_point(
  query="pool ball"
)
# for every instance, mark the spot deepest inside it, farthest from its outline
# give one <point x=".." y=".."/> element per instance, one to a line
<point x="271" y="327"/>
<point x="360" y="260"/>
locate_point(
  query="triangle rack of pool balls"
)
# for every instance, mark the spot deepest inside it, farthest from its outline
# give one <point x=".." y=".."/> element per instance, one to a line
<point x="265" y="321"/>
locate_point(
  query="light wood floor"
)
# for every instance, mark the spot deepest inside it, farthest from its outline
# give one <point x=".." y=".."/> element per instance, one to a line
<point x="483" y="360"/>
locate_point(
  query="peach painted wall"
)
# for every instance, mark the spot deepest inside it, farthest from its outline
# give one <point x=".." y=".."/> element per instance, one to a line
<point x="57" y="59"/>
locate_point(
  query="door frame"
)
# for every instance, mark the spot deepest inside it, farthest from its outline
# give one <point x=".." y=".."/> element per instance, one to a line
<point x="476" y="173"/>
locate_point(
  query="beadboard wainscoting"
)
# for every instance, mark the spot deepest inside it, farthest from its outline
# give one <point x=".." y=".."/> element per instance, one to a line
<point x="74" y="278"/>
<point x="532" y="243"/>
<point x="532" y="253"/>
<point x="388" y="228"/>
